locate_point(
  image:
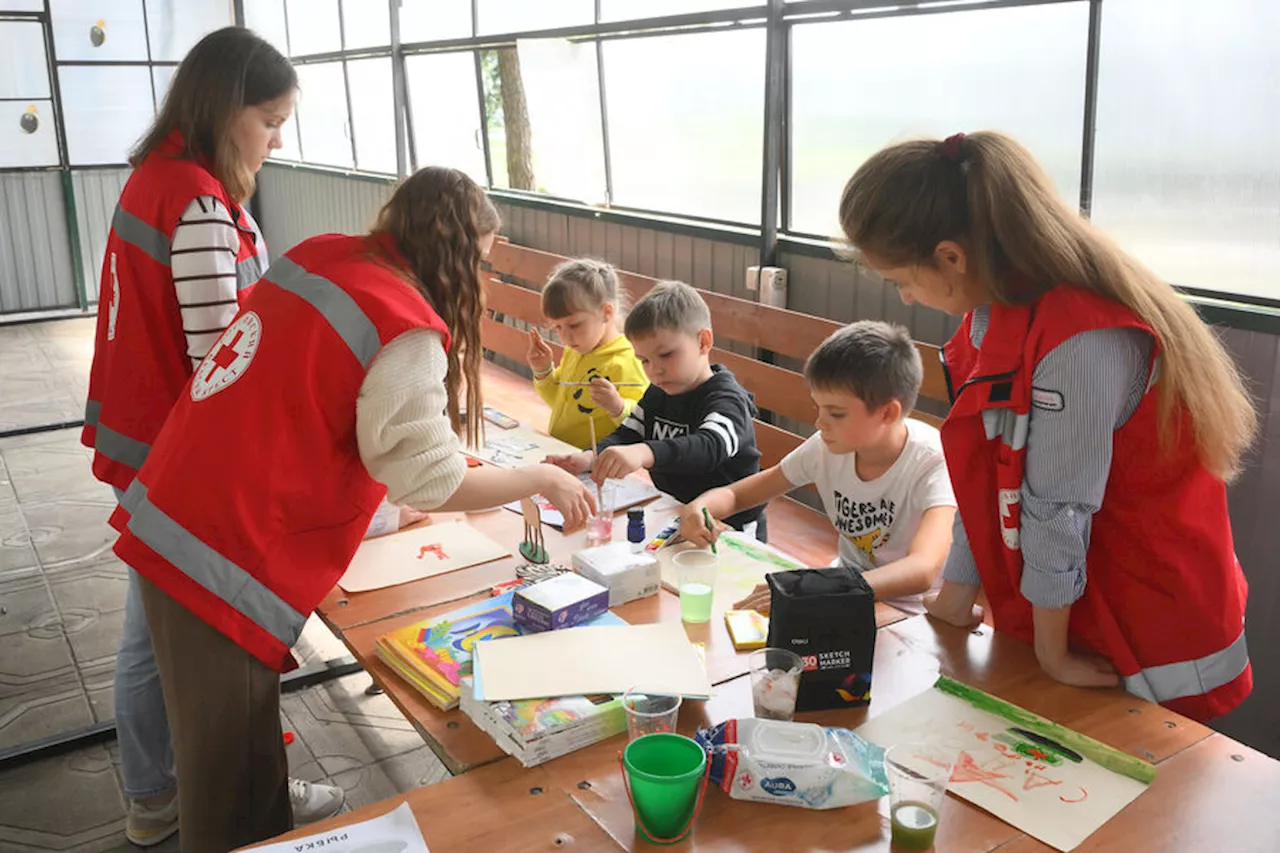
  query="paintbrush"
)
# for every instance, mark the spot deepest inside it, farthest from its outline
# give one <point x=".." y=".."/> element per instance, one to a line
<point x="595" y="453"/>
<point x="588" y="384"/>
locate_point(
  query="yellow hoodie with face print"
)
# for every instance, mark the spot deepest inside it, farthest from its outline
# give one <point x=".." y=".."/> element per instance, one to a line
<point x="572" y="407"/>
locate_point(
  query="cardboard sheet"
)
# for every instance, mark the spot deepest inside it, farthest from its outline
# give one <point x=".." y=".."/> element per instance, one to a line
<point x="657" y="658"/>
<point x="415" y="554"/>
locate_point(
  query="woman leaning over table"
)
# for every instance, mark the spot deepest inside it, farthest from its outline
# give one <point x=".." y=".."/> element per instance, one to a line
<point x="340" y="379"/>
<point x="1094" y="421"/>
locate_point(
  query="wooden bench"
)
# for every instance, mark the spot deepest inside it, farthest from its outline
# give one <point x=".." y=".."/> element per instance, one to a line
<point x="517" y="274"/>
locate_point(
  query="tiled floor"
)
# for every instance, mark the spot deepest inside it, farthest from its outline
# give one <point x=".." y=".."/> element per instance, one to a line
<point x="61" y="608"/>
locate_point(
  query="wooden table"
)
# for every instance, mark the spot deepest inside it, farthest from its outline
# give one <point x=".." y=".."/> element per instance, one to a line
<point x="1210" y="793"/>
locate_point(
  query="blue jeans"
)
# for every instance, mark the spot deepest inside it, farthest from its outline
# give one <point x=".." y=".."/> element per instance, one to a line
<point x="142" y="727"/>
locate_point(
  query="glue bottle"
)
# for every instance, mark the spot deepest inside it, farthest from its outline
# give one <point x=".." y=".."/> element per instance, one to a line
<point x="635" y="529"/>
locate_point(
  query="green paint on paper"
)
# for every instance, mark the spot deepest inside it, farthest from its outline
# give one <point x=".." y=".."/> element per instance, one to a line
<point x="760" y="554"/>
<point x="1099" y="753"/>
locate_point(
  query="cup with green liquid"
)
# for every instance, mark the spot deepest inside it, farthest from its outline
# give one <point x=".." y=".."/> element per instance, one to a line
<point x="696" y="580"/>
<point x="918" y="775"/>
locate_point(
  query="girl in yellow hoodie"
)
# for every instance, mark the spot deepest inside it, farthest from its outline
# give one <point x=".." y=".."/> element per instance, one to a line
<point x="599" y="377"/>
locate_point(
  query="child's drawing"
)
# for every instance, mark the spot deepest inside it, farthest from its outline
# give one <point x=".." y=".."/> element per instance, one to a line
<point x="1049" y="781"/>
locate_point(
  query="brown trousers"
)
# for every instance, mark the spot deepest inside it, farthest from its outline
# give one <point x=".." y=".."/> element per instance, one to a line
<point x="223" y="706"/>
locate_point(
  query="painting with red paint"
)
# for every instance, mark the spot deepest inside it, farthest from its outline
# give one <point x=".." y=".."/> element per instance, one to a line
<point x="1049" y="781"/>
<point x="417" y="553"/>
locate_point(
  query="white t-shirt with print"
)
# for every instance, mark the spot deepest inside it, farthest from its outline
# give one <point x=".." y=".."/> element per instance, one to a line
<point x="875" y="519"/>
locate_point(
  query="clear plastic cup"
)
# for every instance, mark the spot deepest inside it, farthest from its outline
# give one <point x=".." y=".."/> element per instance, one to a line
<point x="696" y="581"/>
<point x="649" y="713"/>
<point x="775" y="681"/>
<point x="600" y="525"/>
<point x="918" y="775"/>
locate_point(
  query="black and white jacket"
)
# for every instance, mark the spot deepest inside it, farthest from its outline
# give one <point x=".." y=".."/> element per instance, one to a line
<point x="700" y="439"/>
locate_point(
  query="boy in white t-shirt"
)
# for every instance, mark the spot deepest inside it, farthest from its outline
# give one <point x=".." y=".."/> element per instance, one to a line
<point x="881" y="476"/>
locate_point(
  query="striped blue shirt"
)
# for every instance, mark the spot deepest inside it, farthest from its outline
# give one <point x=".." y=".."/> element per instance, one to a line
<point x="1084" y="390"/>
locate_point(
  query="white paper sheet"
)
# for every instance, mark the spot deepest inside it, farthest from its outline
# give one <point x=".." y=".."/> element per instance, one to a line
<point x="420" y="553"/>
<point x="594" y="659"/>
<point x="394" y="832"/>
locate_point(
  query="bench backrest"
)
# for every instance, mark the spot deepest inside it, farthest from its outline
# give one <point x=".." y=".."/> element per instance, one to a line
<point x="517" y="274"/>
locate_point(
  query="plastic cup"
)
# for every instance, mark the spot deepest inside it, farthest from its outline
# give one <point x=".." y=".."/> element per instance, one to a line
<point x="649" y="713"/>
<point x="775" y="681"/>
<point x="918" y="775"/>
<point x="600" y="525"/>
<point x="696" y="581"/>
<point x="663" y="772"/>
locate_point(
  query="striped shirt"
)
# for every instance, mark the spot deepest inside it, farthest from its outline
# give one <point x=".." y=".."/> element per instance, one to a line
<point x="203" y="258"/>
<point x="1089" y="385"/>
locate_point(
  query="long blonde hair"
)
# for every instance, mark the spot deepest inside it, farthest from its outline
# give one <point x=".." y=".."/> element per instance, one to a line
<point x="437" y="218"/>
<point x="987" y="193"/>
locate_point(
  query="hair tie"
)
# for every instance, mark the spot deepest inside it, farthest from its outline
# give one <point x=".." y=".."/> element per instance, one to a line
<point x="951" y="148"/>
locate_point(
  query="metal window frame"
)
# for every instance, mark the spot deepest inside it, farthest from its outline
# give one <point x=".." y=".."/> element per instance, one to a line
<point x="776" y="16"/>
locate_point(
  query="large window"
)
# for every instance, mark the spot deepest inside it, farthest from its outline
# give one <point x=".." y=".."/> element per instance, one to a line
<point x="1187" y="174"/>
<point x="856" y="87"/>
<point x="686" y="122"/>
<point x="660" y="105"/>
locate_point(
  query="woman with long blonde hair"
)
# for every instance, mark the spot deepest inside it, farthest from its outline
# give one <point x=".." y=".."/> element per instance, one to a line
<point x="1095" y="420"/>
<point x="339" y="382"/>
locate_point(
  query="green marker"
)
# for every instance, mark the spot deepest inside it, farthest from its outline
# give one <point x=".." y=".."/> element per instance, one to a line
<point x="707" y="517"/>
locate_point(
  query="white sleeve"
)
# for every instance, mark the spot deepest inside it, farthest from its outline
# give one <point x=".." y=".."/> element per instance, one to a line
<point x="800" y="466"/>
<point x="202" y="257"/>
<point x="406" y="441"/>
<point x="932" y="486"/>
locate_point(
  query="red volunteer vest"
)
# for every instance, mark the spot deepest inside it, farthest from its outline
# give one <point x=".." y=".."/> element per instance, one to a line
<point x="254" y="499"/>
<point x="140" y="361"/>
<point x="1165" y="596"/>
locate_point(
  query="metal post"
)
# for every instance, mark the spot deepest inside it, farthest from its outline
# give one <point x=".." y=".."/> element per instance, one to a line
<point x="480" y="98"/>
<point x="346" y="85"/>
<point x="397" y="82"/>
<point x="1090" y="107"/>
<point x="774" y="130"/>
<point x="64" y="161"/>
<point x="604" y="117"/>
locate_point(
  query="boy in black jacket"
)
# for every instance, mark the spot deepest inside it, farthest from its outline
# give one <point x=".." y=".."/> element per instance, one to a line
<point x="693" y="427"/>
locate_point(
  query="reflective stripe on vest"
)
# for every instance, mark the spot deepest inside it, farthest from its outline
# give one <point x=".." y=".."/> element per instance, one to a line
<point x="92" y="411"/>
<point x="223" y="578"/>
<point x="335" y="304"/>
<point x="1191" y="677"/>
<point x="248" y="272"/>
<point x="119" y="447"/>
<point x="140" y="235"/>
<point x="1011" y="428"/>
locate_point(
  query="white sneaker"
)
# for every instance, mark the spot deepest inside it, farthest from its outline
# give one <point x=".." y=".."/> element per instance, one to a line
<point x="146" y="826"/>
<point x="312" y="801"/>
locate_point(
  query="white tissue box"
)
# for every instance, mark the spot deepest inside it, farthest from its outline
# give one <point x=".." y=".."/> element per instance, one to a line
<point x="627" y="576"/>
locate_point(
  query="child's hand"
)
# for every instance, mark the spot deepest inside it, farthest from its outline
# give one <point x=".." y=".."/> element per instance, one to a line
<point x="568" y="494"/>
<point x="1080" y="670"/>
<point x="574" y="463"/>
<point x="539" y="354"/>
<point x="693" y="527"/>
<point x="604" y="395"/>
<point x="620" y="460"/>
<point x="760" y="600"/>
<point x="954" y="605"/>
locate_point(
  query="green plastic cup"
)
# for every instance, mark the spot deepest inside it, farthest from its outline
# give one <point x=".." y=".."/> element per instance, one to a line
<point x="663" y="772"/>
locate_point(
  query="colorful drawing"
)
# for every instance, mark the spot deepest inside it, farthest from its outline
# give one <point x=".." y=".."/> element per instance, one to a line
<point x="519" y="446"/>
<point x="436" y="549"/>
<point x="1053" y="783"/>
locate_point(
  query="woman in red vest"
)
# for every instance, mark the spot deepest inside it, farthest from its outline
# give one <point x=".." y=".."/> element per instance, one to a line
<point x="181" y="250"/>
<point x="340" y="381"/>
<point x="1094" y="422"/>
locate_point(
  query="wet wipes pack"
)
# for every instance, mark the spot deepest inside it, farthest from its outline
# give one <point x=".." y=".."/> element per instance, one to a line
<point x="794" y="764"/>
